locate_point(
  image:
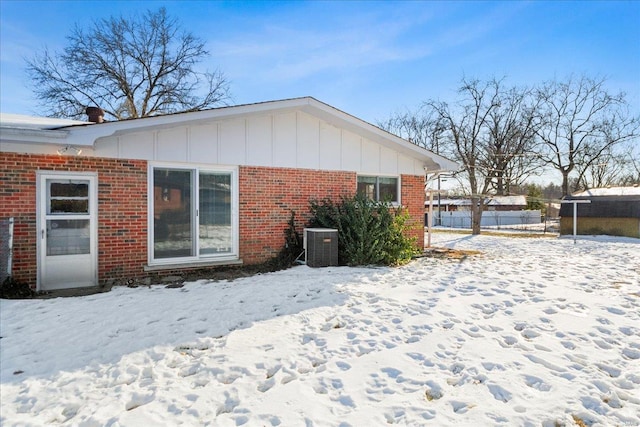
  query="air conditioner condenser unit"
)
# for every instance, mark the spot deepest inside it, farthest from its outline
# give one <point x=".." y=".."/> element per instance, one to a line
<point x="320" y="247"/>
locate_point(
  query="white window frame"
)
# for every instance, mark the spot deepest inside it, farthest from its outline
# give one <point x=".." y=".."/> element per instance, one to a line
<point x="204" y="260"/>
<point x="378" y="176"/>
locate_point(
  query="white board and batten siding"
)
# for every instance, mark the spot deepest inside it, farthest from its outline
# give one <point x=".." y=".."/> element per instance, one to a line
<point x="286" y="139"/>
<point x="294" y="133"/>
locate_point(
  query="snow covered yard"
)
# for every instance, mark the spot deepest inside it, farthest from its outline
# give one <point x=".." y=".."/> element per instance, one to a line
<point x="532" y="332"/>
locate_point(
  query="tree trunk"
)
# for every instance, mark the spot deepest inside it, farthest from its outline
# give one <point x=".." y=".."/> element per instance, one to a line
<point x="500" y="185"/>
<point x="476" y="215"/>
<point x="565" y="183"/>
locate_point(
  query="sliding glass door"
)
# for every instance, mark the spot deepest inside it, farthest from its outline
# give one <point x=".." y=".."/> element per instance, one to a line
<point x="192" y="214"/>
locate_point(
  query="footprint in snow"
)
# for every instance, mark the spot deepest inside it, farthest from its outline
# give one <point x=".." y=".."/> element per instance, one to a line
<point x="489" y="366"/>
<point x="456" y="368"/>
<point x="394" y="417"/>
<point x="138" y="399"/>
<point x="230" y="403"/>
<point x="266" y="385"/>
<point x="241" y="420"/>
<point x="343" y="366"/>
<point x="529" y="334"/>
<point x="610" y="370"/>
<point x="392" y="372"/>
<point x="536" y="383"/>
<point x="614" y="310"/>
<point x="345" y="400"/>
<point x="499" y="393"/>
<point x="434" y="392"/>
<point x="274" y="421"/>
<point x="603" y="330"/>
<point x="272" y="370"/>
<point x="70" y="411"/>
<point x="603" y="345"/>
<point x="460" y="407"/>
<point x="548" y="365"/>
<point x="629" y="331"/>
<point x="190" y="370"/>
<point x="472" y="332"/>
<point x="447" y="324"/>
<point x="631" y="353"/>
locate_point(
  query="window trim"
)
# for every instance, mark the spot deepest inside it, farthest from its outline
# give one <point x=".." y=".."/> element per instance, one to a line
<point x="377" y="177"/>
<point x="197" y="260"/>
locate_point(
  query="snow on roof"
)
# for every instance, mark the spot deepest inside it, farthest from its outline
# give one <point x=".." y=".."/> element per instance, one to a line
<point x="451" y="202"/>
<point x="19" y="121"/>
<point x="508" y="201"/>
<point x="610" y="191"/>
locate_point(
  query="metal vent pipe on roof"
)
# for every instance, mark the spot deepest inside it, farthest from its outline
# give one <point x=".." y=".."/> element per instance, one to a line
<point x="96" y="114"/>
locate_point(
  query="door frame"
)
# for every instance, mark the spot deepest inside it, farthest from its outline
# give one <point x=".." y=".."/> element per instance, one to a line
<point x="41" y="217"/>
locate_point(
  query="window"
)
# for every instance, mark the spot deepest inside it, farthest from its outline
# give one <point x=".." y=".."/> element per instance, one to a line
<point x="192" y="212"/>
<point x="379" y="188"/>
<point x="68" y="217"/>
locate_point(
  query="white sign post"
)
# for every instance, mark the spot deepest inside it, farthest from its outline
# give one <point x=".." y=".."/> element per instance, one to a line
<point x="575" y="214"/>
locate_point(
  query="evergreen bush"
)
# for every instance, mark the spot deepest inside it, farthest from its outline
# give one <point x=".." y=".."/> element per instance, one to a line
<point x="369" y="232"/>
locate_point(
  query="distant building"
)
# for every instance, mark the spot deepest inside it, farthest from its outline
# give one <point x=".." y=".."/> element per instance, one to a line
<point x="507" y="203"/>
<point x="499" y="211"/>
<point x="493" y="203"/>
<point x="612" y="211"/>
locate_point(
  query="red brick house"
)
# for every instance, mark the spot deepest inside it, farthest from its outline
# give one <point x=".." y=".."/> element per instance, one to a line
<point x="97" y="201"/>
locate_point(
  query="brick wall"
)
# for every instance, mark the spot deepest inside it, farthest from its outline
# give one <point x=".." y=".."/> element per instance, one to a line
<point x="267" y="197"/>
<point x="122" y="215"/>
<point x="413" y="198"/>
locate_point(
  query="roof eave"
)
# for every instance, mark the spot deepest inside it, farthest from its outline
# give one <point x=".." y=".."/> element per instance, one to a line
<point x="87" y="134"/>
<point x="32" y="135"/>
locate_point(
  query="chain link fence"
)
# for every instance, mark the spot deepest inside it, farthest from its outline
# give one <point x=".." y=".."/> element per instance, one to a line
<point x="6" y="246"/>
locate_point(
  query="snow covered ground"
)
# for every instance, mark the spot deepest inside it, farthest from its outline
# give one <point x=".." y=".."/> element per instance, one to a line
<point x="532" y="332"/>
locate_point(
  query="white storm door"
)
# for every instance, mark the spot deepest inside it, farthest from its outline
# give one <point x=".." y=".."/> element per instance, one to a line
<point x="67" y="231"/>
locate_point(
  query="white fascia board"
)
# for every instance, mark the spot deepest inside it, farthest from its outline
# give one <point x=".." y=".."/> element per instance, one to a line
<point x="33" y="135"/>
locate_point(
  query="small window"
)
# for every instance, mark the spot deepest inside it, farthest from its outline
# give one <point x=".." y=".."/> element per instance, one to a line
<point x="379" y="188"/>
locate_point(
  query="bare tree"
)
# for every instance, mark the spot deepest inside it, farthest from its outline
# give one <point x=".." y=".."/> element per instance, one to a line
<point x="580" y="122"/>
<point x="422" y="128"/>
<point x="490" y="130"/>
<point x="631" y="173"/>
<point x="465" y="130"/>
<point x="609" y="170"/>
<point x="130" y="67"/>
<point x="509" y="153"/>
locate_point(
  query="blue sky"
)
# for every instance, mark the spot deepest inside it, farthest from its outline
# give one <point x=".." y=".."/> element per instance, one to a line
<point x="369" y="59"/>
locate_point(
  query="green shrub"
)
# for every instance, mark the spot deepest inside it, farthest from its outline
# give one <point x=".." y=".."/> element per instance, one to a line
<point x="13" y="289"/>
<point x="369" y="232"/>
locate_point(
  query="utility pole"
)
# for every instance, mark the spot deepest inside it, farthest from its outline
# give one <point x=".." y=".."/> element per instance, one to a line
<point x="439" y="211"/>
